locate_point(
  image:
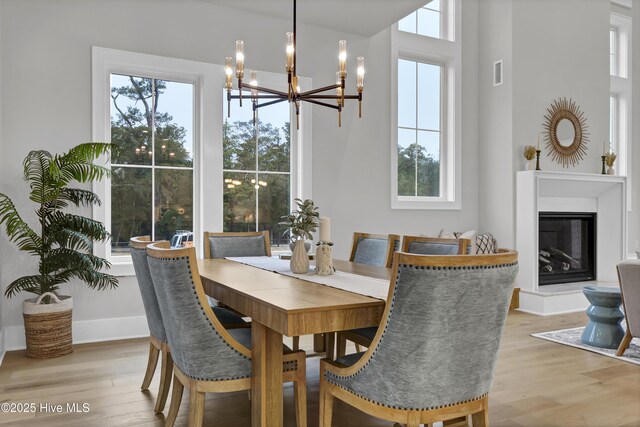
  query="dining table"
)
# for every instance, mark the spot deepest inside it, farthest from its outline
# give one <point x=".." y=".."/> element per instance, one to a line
<point x="282" y="304"/>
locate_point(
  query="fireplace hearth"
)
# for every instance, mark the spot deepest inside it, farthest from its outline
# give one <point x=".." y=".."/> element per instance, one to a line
<point x="566" y="242"/>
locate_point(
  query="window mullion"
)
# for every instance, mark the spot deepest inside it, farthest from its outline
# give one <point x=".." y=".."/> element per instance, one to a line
<point x="153" y="159"/>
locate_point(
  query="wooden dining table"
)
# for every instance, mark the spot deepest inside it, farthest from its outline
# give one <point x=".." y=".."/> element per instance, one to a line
<point x="283" y="305"/>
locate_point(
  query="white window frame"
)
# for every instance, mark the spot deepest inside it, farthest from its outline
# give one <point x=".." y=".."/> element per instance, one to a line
<point x="208" y="79"/>
<point x="448" y="54"/>
<point x="621" y="91"/>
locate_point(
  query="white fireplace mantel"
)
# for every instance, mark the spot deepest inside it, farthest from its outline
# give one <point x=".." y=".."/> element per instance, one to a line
<point x="541" y="191"/>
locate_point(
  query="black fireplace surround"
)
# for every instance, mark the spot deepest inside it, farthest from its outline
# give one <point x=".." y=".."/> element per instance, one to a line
<point x="567" y="247"/>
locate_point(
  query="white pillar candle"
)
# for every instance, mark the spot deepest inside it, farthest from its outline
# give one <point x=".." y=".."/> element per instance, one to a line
<point x="325" y="229"/>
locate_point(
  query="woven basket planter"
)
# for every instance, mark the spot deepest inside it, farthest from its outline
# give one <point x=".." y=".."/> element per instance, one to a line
<point x="48" y="326"/>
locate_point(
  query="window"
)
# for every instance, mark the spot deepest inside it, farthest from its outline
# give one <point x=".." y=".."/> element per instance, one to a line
<point x="613" y="51"/>
<point x="419" y="128"/>
<point x="257" y="168"/>
<point x="176" y="151"/>
<point x="620" y="97"/>
<point x="425" y="148"/>
<point x="152" y="172"/>
<point x="430" y="20"/>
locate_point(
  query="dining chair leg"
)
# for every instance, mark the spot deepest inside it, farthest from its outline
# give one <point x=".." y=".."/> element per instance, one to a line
<point x="296" y="343"/>
<point x="151" y="365"/>
<point x="326" y="407"/>
<point x="624" y="344"/>
<point x="480" y="419"/>
<point x="176" y="400"/>
<point x="413" y="419"/>
<point x="166" y="370"/>
<point x="196" y="406"/>
<point x="358" y="348"/>
<point x="341" y="345"/>
<point x="300" y="394"/>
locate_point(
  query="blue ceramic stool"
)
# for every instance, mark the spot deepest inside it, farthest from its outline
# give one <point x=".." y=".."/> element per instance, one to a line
<point x="603" y="329"/>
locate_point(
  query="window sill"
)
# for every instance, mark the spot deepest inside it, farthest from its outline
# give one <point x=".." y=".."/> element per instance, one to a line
<point x="122" y="268"/>
<point x="426" y="204"/>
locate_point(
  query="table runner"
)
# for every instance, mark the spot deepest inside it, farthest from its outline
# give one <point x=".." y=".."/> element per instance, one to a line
<point x="363" y="285"/>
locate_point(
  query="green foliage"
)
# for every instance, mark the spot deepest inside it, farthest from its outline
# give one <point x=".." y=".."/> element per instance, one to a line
<point x="64" y="241"/>
<point x="302" y="221"/>
<point x="415" y="166"/>
<point x="134" y="119"/>
<point x="272" y="152"/>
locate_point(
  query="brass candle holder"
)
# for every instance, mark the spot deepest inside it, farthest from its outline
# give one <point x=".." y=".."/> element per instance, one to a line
<point x="538" y="160"/>
<point x="603" y="162"/>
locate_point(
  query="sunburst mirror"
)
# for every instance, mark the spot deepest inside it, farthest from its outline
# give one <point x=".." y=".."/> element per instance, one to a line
<point x="566" y="133"/>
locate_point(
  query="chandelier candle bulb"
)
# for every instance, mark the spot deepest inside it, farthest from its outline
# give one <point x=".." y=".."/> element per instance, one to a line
<point x="325" y="229"/>
<point x="239" y="59"/>
<point x="342" y="57"/>
<point x="229" y="70"/>
<point x="360" y="74"/>
<point x="254" y="82"/>
<point x="289" y="50"/>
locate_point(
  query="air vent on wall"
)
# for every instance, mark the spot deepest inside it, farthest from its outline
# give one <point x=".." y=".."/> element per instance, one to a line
<point x="497" y="73"/>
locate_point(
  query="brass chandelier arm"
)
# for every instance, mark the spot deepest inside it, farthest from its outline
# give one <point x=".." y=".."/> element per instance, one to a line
<point x="245" y="96"/>
<point x="324" y="104"/>
<point x="266" y="104"/>
<point x="329" y="97"/>
<point x="265" y="89"/>
<point x="321" y="89"/>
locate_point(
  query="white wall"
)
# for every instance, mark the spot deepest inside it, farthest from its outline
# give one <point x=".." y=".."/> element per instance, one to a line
<point x="2" y="238"/>
<point x="47" y="99"/>
<point x="495" y="129"/>
<point x="557" y="49"/>
<point x="634" y="215"/>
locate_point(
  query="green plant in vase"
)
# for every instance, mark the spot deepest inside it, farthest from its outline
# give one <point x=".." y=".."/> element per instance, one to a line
<point x="301" y="222"/>
<point x="62" y="241"/>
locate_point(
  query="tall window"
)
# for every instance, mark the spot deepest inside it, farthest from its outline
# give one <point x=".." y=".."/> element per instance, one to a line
<point x="257" y="168"/>
<point x="620" y="97"/>
<point x="152" y="172"/>
<point x="419" y="133"/>
<point x="425" y="152"/>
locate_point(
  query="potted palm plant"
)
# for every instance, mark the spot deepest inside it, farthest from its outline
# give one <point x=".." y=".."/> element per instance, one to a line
<point x="62" y="242"/>
<point x="301" y="222"/>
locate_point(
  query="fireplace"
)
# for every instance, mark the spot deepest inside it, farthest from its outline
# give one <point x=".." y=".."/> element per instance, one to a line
<point x="566" y="243"/>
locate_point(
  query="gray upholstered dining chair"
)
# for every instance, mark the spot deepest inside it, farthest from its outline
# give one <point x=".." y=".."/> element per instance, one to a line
<point x="423" y="245"/>
<point x="434" y="355"/>
<point x="207" y="357"/>
<point x="411" y="244"/>
<point x="372" y="249"/>
<point x="236" y="244"/>
<point x="629" y="276"/>
<point x="158" y="336"/>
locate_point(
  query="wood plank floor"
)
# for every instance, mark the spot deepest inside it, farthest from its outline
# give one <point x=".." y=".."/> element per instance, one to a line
<point x="537" y="384"/>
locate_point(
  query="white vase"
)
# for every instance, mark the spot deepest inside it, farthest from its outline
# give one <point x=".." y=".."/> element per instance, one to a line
<point x="611" y="171"/>
<point x="299" y="259"/>
<point x="530" y="165"/>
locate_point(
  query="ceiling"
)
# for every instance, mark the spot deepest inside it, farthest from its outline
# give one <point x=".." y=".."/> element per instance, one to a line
<point x="363" y="17"/>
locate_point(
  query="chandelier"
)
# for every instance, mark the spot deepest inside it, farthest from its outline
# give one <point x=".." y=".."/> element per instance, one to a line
<point x="263" y="97"/>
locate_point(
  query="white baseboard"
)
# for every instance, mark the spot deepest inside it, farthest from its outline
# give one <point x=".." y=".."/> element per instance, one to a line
<point x="1" y="345"/>
<point x="86" y="331"/>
